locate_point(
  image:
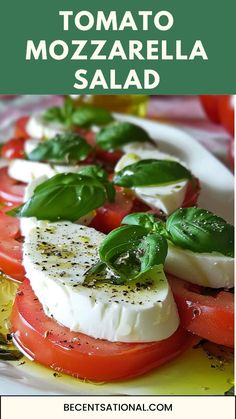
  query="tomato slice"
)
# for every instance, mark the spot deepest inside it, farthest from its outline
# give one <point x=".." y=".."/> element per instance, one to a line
<point x="111" y="214"/>
<point x="10" y="189"/>
<point x="10" y="248"/>
<point x="79" y="355"/>
<point x="20" y="128"/>
<point x="210" y="317"/>
<point x="13" y="149"/>
<point x="192" y="193"/>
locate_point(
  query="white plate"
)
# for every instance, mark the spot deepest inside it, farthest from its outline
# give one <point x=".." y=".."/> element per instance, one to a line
<point x="217" y="194"/>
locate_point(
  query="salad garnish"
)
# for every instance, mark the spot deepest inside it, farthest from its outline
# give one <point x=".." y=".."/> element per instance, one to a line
<point x="117" y="134"/>
<point x="66" y="197"/>
<point x="84" y="116"/>
<point x="192" y="228"/>
<point x="131" y="251"/>
<point x="151" y="172"/>
<point x="66" y="147"/>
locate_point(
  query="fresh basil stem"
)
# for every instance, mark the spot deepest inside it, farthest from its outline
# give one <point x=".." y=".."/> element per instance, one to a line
<point x="66" y="197"/>
<point x="151" y="172"/>
<point x="129" y="251"/>
<point x="120" y="133"/>
<point x="66" y="148"/>
<point x="201" y="231"/>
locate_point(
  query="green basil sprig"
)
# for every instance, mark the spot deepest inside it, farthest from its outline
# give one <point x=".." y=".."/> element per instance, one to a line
<point x="83" y="116"/>
<point x="201" y="231"/>
<point x="65" y="197"/>
<point x="130" y="251"/>
<point x="66" y="147"/>
<point x="61" y="114"/>
<point x="87" y="115"/>
<point x="194" y="229"/>
<point x="151" y="172"/>
<point x="120" y="133"/>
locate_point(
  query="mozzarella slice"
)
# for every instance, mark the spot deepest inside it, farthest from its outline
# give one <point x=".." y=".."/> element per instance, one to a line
<point x="147" y="150"/>
<point x="206" y="269"/>
<point x="26" y="170"/>
<point x="166" y="198"/>
<point x="37" y="128"/>
<point x="57" y="256"/>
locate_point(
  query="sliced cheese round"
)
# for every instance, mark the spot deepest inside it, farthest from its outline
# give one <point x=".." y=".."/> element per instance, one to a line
<point x="57" y="257"/>
<point x="205" y="269"/>
<point x="26" y="170"/>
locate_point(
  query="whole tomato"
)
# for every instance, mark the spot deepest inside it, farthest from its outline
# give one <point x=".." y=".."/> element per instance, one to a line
<point x="226" y="112"/>
<point x="220" y="109"/>
<point x="210" y="106"/>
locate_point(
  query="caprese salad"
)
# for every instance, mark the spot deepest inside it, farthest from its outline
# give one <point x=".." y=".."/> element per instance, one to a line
<point x="120" y="270"/>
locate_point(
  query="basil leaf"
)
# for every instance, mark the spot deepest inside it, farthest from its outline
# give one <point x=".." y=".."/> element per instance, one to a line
<point x="129" y="251"/>
<point x="53" y="114"/>
<point x="99" y="173"/>
<point x="61" y="114"/>
<point x="120" y="133"/>
<point x="201" y="231"/>
<point x="67" y="110"/>
<point x="67" y="147"/>
<point x="146" y="220"/>
<point x="86" y="115"/>
<point x="64" y="197"/>
<point x="151" y="172"/>
<point x="153" y="251"/>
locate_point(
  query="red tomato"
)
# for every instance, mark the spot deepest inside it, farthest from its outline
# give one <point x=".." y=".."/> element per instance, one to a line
<point x="104" y="156"/>
<point x="20" y="128"/>
<point x="10" y="189"/>
<point x="111" y="214"/>
<point x="90" y="137"/>
<point x="192" y="193"/>
<point x="110" y="157"/>
<point x="210" y="317"/>
<point x="10" y="248"/>
<point x="79" y="355"/>
<point x="226" y="112"/>
<point x="13" y="149"/>
<point x="210" y="105"/>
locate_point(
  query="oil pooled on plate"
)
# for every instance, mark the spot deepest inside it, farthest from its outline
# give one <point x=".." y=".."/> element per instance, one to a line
<point x="204" y="369"/>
